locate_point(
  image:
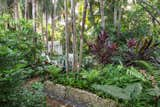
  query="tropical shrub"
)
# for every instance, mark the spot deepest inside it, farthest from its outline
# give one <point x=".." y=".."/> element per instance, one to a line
<point x="17" y="51"/>
<point x="10" y="81"/>
<point x="19" y="41"/>
<point x="103" y="49"/>
<point x="142" y="49"/>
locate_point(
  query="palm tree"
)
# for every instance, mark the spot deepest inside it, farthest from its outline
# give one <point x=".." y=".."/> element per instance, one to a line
<point x="26" y="9"/>
<point x="53" y="15"/>
<point x="81" y="36"/>
<point x="16" y="16"/>
<point x="47" y="7"/>
<point x="115" y="14"/>
<point x="41" y="14"/>
<point x="119" y="18"/>
<point x="66" y="34"/>
<point x="74" y="67"/>
<point x="34" y="14"/>
<point x="102" y="14"/>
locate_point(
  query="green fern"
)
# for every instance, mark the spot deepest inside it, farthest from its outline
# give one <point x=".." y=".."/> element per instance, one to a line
<point x="154" y="91"/>
<point x="54" y="71"/>
<point x="145" y="65"/>
<point x="133" y="72"/>
<point x="130" y="92"/>
<point x="90" y="76"/>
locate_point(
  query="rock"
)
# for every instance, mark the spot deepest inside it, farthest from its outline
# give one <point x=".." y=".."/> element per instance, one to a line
<point x="55" y="89"/>
<point x="78" y="96"/>
<point x="90" y="99"/>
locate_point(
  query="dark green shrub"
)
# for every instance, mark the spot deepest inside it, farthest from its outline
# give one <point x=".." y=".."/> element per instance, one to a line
<point x="17" y="51"/>
<point x="10" y="83"/>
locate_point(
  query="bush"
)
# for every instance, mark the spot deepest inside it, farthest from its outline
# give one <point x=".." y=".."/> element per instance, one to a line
<point x="103" y="49"/>
<point x="33" y="97"/>
<point x="143" y="49"/>
<point x="10" y="83"/>
<point x="17" y="51"/>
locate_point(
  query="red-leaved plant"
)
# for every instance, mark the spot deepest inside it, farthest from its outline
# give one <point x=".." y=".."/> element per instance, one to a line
<point x="142" y="49"/>
<point x="102" y="48"/>
<point x="131" y="43"/>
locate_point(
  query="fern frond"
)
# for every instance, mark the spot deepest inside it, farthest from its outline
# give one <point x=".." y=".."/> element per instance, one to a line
<point x="133" y="72"/>
<point x="128" y="93"/>
<point x="145" y="65"/>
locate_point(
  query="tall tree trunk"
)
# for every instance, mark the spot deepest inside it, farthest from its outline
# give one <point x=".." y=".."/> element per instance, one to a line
<point x="16" y="12"/>
<point x="26" y="9"/>
<point x="82" y="34"/>
<point x="42" y="18"/>
<point x="67" y="36"/>
<point x="42" y="27"/>
<point x="53" y="22"/>
<point x="34" y="25"/>
<point x="74" y="66"/>
<point x="115" y="14"/>
<point x="47" y="31"/>
<point x="102" y="14"/>
<point x="16" y="16"/>
<point x="37" y="13"/>
<point x="34" y="14"/>
<point x="91" y="12"/>
<point x="119" y="18"/>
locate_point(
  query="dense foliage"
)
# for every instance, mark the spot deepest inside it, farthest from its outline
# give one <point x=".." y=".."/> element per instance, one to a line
<point x="114" y="45"/>
<point x="17" y="52"/>
<point x="130" y="86"/>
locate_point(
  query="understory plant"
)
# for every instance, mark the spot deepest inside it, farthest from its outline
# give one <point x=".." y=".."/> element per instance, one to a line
<point x="145" y="49"/>
<point x="102" y="48"/>
<point x="130" y="92"/>
<point x="17" y="51"/>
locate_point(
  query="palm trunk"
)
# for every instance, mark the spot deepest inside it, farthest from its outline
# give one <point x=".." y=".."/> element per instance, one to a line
<point x="34" y="25"/>
<point x="34" y="14"/>
<point x="91" y="13"/>
<point x="42" y="24"/>
<point x="119" y="19"/>
<point x="37" y="13"/>
<point x="82" y="33"/>
<point x="16" y="12"/>
<point x="74" y="66"/>
<point x="26" y="9"/>
<point x="42" y="18"/>
<point x="16" y="9"/>
<point x="67" y="36"/>
<point x="46" y="31"/>
<point x="102" y="14"/>
<point x="53" y="23"/>
<point x="115" y="14"/>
